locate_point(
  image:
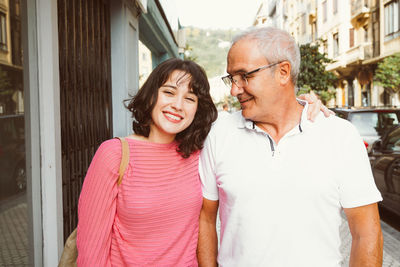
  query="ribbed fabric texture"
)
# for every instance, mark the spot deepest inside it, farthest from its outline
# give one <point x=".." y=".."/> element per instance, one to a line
<point x="151" y="219"/>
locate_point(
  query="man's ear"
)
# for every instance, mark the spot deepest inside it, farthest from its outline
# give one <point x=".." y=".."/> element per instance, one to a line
<point x="284" y="72"/>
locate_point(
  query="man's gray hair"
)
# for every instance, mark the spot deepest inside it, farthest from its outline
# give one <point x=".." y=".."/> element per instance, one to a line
<point x="276" y="45"/>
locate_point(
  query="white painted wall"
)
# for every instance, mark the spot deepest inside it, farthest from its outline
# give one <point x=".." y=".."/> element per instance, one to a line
<point x="124" y="63"/>
<point x="50" y="130"/>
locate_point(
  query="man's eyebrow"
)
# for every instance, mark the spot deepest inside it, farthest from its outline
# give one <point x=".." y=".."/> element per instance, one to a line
<point x="237" y="71"/>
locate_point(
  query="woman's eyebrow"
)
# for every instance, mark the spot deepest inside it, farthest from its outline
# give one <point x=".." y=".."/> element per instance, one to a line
<point x="170" y="86"/>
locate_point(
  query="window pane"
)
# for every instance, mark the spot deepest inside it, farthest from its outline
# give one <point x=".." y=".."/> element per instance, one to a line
<point x="366" y="123"/>
<point x="394" y="140"/>
<point x="351" y="37"/>
<point x="386" y="20"/>
<point x="395" y="16"/>
<point x="391" y="18"/>
<point x="3" y="32"/>
<point x="13" y="202"/>
<point x="335" y="6"/>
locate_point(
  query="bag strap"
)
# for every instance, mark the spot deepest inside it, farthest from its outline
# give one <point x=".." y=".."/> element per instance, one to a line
<point x="124" y="160"/>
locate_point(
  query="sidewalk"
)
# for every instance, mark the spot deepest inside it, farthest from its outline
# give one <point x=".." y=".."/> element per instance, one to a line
<point x="13" y="233"/>
<point x="14" y="243"/>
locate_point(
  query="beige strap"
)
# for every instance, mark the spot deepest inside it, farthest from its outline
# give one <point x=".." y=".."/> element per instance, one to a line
<point x="124" y="160"/>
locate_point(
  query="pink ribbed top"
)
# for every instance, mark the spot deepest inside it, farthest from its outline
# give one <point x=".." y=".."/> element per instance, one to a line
<point x="151" y="219"/>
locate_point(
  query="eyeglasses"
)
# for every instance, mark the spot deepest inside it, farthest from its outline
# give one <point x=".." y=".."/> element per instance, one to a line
<point x="241" y="79"/>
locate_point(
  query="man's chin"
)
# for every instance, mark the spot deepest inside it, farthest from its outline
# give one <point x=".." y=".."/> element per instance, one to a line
<point x="246" y="113"/>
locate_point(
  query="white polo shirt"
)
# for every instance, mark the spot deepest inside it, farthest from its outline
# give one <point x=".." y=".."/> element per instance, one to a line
<point x="280" y="203"/>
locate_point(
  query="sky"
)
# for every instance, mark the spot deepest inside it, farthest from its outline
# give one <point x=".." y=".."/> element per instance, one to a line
<point x="217" y="14"/>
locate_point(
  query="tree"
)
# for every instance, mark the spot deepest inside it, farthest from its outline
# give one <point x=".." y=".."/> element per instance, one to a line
<point x="209" y="47"/>
<point x="187" y="54"/>
<point x="387" y="73"/>
<point x="313" y="74"/>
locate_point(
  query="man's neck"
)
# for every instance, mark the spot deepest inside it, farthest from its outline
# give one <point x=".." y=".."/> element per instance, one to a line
<point x="282" y="119"/>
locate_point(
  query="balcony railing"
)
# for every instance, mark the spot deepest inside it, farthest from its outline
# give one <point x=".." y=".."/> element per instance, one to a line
<point x="357" y="6"/>
<point x="360" y="13"/>
<point x="358" y="53"/>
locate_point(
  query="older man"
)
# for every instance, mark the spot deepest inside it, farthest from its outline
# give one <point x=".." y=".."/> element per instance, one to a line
<point x="279" y="180"/>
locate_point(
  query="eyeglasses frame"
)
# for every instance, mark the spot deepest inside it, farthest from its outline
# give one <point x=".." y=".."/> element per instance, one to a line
<point x="244" y="75"/>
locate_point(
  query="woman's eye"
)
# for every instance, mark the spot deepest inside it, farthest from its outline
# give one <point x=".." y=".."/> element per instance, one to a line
<point x="168" y="92"/>
<point x="191" y="99"/>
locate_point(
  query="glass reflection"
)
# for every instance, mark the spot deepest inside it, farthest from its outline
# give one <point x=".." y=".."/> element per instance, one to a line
<point x="13" y="206"/>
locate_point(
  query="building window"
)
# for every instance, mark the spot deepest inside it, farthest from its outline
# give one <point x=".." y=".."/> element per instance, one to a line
<point x="336" y="44"/>
<point x="335" y="6"/>
<point x="365" y="34"/>
<point x="325" y="47"/>
<point x="392" y="20"/>
<point x="314" y="31"/>
<point x="3" y="31"/>
<point x="324" y="15"/>
<point x="351" y="31"/>
<point x="303" y="23"/>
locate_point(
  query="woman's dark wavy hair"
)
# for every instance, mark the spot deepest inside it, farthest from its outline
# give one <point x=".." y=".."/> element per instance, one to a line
<point x="142" y="104"/>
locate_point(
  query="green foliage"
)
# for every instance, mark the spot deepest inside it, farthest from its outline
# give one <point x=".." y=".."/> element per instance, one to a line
<point x="387" y="73"/>
<point x="313" y="74"/>
<point x="188" y="53"/>
<point x="209" y="48"/>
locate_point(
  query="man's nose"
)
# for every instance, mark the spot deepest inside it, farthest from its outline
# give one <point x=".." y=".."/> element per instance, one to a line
<point x="236" y="90"/>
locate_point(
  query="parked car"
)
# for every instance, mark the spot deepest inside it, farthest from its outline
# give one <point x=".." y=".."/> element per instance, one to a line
<point x="370" y="122"/>
<point x="12" y="155"/>
<point x="385" y="162"/>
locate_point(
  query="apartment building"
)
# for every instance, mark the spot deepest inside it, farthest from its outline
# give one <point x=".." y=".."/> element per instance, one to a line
<point x="356" y="34"/>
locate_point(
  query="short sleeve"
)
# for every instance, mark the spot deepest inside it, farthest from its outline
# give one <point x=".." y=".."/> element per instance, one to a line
<point x="356" y="182"/>
<point x="207" y="168"/>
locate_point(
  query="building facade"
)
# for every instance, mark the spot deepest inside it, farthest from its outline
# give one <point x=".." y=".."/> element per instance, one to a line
<point x="65" y="69"/>
<point x="356" y="34"/>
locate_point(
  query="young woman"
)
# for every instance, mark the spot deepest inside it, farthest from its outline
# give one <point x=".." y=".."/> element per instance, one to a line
<point x="152" y="217"/>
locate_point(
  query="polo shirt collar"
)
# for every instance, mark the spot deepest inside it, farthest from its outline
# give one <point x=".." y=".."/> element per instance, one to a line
<point x="303" y="124"/>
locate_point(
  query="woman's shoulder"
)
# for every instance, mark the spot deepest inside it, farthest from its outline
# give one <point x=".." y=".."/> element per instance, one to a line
<point x="110" y="148"/>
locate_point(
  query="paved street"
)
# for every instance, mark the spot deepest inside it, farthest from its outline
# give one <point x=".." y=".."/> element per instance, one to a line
<point x="13" y="233"/>
<point x="14" y="243"/>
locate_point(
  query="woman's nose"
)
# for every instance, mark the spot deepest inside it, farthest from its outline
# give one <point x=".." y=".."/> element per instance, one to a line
<point x="177" y="103"/>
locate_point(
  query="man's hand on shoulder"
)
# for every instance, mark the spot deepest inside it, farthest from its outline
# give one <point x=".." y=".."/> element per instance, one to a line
<point x="315" y="106"/>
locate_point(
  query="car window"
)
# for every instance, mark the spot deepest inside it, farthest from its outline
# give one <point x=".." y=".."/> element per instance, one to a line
<point x="393" y="140"/>
<point x="365" y="122"/>
<point x="389" y="119"/>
